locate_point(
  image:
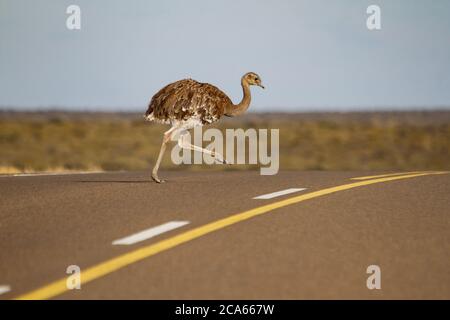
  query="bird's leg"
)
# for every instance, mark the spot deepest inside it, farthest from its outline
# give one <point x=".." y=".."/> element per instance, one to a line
<point x="166" y="138"/>
<point x="183" y="143"/>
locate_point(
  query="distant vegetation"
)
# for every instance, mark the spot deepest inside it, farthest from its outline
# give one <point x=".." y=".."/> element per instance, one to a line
<point x="313" y="141"/>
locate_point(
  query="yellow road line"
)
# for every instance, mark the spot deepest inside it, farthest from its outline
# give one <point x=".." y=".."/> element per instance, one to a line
<point x="385" y="175"/>
<point x="58" y="287"/>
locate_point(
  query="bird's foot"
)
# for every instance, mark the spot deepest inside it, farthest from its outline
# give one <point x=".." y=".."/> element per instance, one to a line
<point x="157" y="179"/>
<point x="221" y="160"/>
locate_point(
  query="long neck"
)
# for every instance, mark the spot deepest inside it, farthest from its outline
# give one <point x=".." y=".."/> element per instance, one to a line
<point x="238" y="109"/>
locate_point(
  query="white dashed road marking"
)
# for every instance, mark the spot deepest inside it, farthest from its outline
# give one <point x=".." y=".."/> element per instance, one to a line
<point x="150" y="233"/>
<point x="279" y="193"/>
<point x="4" y="289"/>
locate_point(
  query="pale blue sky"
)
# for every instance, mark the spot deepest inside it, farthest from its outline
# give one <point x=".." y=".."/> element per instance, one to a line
<point x="311" y="55"/>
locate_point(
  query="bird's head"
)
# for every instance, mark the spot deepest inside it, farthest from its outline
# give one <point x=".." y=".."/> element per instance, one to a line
<point x="252" y="79"/>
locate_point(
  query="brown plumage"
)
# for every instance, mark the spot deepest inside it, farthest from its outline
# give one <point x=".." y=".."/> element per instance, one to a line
<point x="188" y="103"/>
<point x="188" y="99"/>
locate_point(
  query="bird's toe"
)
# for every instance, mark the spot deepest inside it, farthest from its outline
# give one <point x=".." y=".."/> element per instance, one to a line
<point x="157" y="179"/>
<point x="221" y="160"/>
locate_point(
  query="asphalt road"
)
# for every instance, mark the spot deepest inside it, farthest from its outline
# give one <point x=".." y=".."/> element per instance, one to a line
<point x="309" y="244"/>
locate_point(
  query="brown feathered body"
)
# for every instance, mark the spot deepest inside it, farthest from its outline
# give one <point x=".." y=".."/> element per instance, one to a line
<point x="188" y="101"/>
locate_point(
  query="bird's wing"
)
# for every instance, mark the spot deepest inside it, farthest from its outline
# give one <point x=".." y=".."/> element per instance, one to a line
<point x="186" y="99"/>
<point x="210" y="103"/>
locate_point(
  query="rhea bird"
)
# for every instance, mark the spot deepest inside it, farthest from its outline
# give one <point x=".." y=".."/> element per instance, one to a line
<point x="187" y="103"/>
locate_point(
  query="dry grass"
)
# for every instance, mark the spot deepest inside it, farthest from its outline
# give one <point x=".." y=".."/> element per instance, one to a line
<point x="324" y="141"/>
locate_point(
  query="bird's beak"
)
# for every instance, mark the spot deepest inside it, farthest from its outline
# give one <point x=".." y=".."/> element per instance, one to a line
<point x="260" y="85"/>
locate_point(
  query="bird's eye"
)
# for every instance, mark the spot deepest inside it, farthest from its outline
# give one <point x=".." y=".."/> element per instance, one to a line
<point x="256" y="79"/>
